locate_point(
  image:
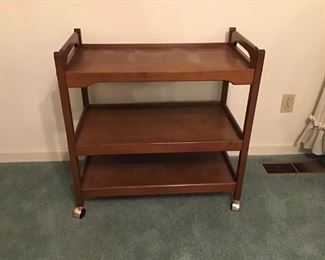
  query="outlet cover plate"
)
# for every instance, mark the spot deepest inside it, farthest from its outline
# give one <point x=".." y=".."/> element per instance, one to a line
<point x="287" y="103"/>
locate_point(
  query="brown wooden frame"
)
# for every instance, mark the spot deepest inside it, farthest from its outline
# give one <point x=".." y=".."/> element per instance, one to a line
<point x="254" y="64"/>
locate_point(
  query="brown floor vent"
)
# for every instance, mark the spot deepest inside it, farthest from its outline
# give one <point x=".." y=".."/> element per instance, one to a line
<point x="294" y="167"/>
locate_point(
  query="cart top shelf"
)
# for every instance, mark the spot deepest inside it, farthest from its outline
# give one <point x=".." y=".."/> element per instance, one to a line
<point x="86" y="64"/>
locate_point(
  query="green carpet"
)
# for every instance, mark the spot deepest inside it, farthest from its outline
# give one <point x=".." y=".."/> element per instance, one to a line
<point x="281" y="217"/>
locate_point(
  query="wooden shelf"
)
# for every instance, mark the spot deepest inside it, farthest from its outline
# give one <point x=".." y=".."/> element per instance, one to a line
<point x="156" y="128"/>
<point x="154" y="174"/>
<point x="94" y="63"/>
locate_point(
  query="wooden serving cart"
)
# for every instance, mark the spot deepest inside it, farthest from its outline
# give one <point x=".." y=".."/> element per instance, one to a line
<point x="157" y="148"/>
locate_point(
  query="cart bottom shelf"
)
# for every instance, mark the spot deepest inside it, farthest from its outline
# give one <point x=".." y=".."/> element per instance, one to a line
<point x="156" y="174"/>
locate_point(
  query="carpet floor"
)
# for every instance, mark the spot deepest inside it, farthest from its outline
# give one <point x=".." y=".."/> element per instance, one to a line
<point x="281" y="217"/>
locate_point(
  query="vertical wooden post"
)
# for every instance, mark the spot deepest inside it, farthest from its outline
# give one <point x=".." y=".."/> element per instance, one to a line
<point x="225" y="84"/>
<point x="68" y="121"/>
<point x="84" y="90"/>
<point x="250" y="112"/>
<point x="224" y="92"/>
<point x="231" y="30"/>
<point x="85" y="97"/>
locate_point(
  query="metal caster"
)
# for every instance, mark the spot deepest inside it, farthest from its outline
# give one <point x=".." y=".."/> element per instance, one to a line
<point x="79" y="212"/>
<point x="235" y="205"/>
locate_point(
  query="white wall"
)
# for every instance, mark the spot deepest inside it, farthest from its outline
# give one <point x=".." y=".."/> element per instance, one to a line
<point x="292" y="32"/>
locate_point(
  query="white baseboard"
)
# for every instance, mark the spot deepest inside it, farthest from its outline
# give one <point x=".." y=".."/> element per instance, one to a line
<point x="62" y="155"/>
<point x="34" y="156"/>
<point x="274" y="149"/>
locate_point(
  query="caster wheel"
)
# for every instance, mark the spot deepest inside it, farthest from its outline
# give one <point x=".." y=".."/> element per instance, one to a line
<point x="235" y="205"/>
<point x="79" y="212"/>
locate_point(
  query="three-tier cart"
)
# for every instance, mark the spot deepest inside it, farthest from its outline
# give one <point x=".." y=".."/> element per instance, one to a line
<point x="157" y="148"/>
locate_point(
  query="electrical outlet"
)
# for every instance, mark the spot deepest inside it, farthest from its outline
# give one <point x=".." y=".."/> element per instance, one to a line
<point x="287" y="103"/>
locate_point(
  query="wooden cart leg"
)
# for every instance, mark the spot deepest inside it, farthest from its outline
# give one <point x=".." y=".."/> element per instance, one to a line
<point x="235" y="206"/>
<point x="75" y="169"/>
<point x="249" y="117"/>
<point x="79" y="210"/>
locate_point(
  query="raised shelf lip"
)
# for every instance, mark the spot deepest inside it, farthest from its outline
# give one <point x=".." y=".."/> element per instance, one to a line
<point x="157" y="190"/>
<point x="152" y="45"/>
<point x="100" y="185"/>
<point x="238" y="76"/>
<point x="160" y="147"/>
<point x="79" y="80"/>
